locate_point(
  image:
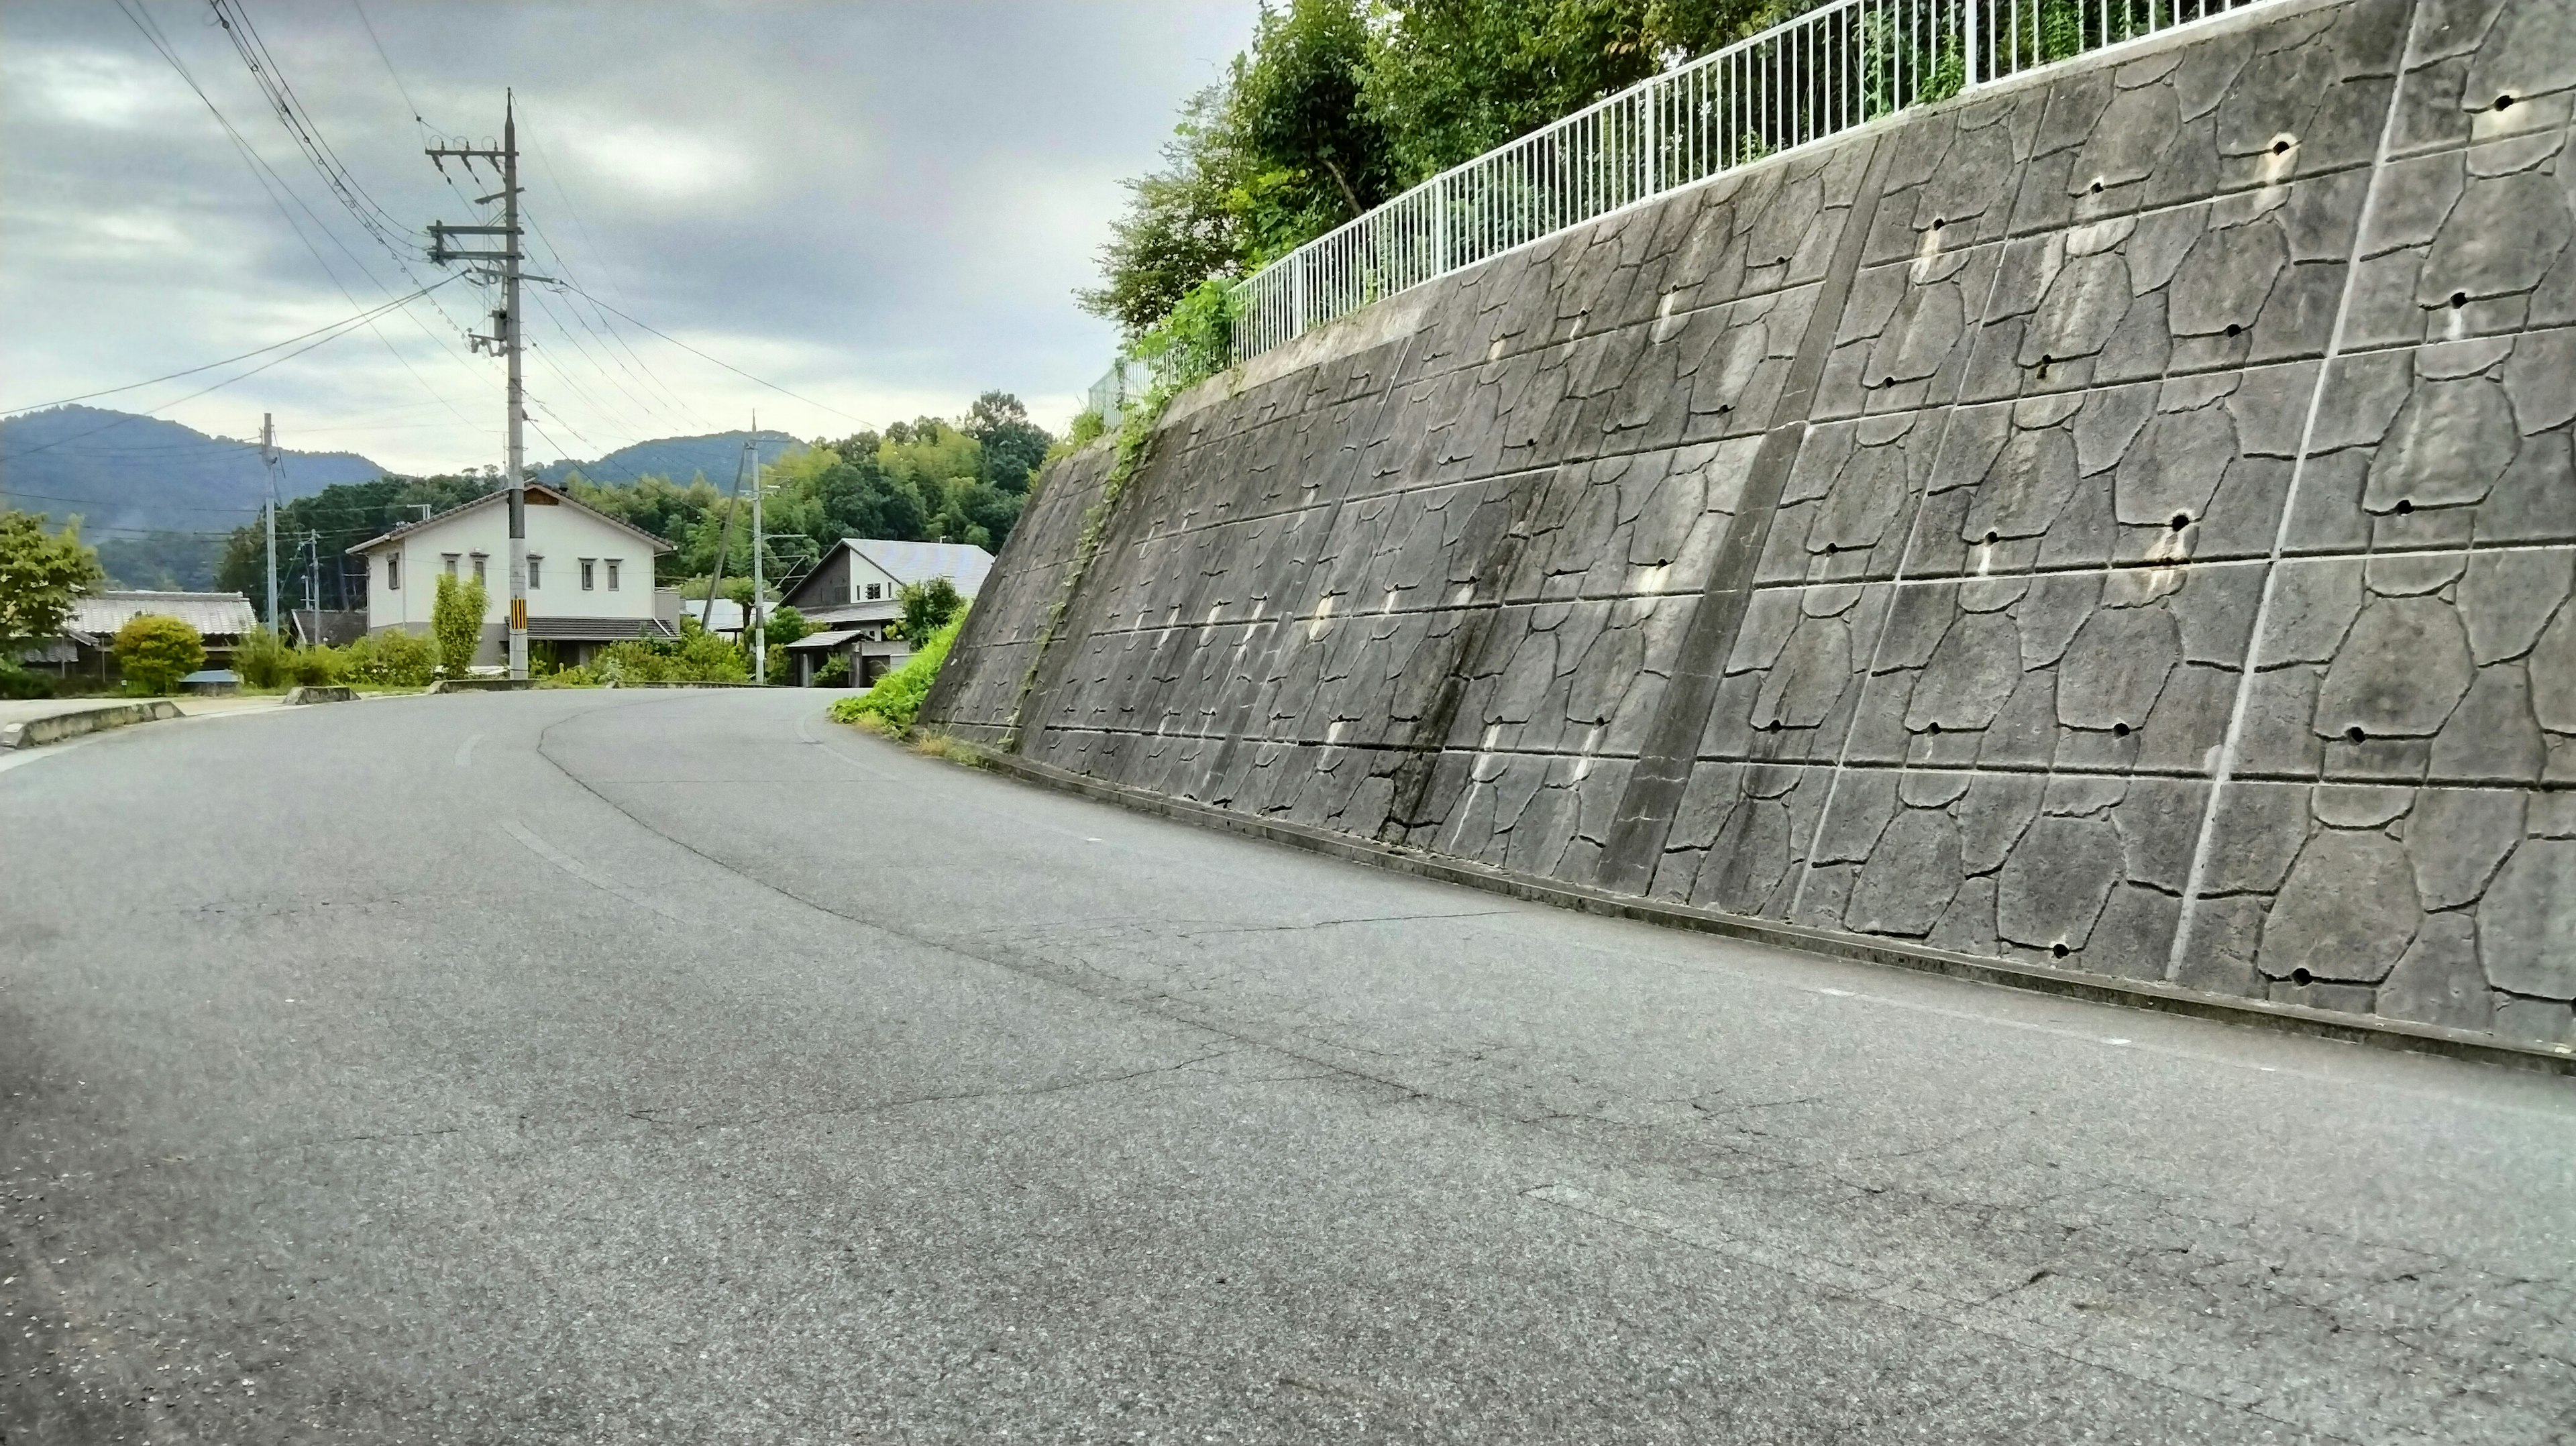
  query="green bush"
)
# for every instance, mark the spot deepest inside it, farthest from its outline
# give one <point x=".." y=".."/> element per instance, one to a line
<point x="262" y="658"/>
<point x="896" y="698"/>
<point x="18" y="682"/>
<point x="575" y="677"/>
<point x="319" y="666"/>
<point x="390" y="659"/>
<point x="834" y="674"/>
<point x="157" y="651"/>
<point x="697" y="656"/>
<point x="456" y="623"/>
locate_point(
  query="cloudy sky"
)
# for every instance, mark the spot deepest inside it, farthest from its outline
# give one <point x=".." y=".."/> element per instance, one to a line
<point x="880" y="206"/>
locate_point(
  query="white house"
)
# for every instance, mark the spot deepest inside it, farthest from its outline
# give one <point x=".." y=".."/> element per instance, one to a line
<point x="590" y="576"/>
<point x="849" y="597"/>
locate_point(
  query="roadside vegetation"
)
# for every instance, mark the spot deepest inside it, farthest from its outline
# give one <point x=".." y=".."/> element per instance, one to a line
<point x="696" y="656"/>
<point x="42" y="574"/>
<point x="891" y="705"/>
<point x="154" y="652"/>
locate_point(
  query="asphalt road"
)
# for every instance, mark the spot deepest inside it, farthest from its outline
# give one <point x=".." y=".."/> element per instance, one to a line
<point x="678" y="1067"/>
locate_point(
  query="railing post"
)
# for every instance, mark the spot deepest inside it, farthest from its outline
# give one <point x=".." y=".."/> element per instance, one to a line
<point x="1969" y="68"/>
<point x="1440" y="226"/>
<point x="1297" y="292"/>
<point x="1646" y="160"/>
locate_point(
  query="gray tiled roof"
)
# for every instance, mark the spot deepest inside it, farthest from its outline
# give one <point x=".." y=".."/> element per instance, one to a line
<point x="214" y="614"/>
<point x="599" y="630"/>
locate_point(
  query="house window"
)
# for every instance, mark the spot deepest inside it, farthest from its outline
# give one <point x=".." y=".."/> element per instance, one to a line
<point x="586" y="565"/>
<point x="612" y="573"/>
<point x="450" y="559"/>
<point x="536" y="568"/>
<point x="478" y="567"/>
<point x="393" y="572"/>
<point x="876" y="590"/>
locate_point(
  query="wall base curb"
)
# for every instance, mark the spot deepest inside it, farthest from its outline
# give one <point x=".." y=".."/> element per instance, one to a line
<point x="2391" y="1034"/>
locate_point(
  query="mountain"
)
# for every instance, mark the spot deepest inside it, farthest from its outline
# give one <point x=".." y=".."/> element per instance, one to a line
<point x="678" y="458"/>
<point x="128" y="474"/>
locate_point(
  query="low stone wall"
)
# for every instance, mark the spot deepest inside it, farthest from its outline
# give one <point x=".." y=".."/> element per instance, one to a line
<point x="73" y="722"/>
<point x="2123" y="521"/>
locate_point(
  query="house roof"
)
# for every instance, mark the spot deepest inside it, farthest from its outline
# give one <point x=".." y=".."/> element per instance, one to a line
<point x="600" y="630"/>
<point x="498" y="495"/>
<point x="823" y="640"/>
<point x="962" y="563"/>
<point x="212" y="614"/>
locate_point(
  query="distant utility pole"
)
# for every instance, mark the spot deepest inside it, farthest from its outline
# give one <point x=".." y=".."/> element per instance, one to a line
<point x="268" y="458"/>
<point x="505" y="338"/>
<point x="313" y="579"/>
<point x="759" y="545"/>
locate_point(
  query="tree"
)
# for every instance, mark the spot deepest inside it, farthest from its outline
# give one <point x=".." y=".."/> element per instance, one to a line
<point x="456" y="623"/>
<point x="155" y="652"/>
<point x="1179" y="228"/>
<point x="927" y="606"/>
<point x="41" y="575"/>
<point x="1013" y="445"/>
<point x="785" y="625"/>
<point x="1316" y="155"/>
<point x="1338" y="106"/>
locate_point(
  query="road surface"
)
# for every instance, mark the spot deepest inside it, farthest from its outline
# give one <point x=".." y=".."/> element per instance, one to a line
<point x="678" y="1067"/>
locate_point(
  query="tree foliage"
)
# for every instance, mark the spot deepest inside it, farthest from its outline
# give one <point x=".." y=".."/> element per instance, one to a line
<point x="927" y="606"/>
<point x="456" y="622"/>
<point x="41" y="575"/>
<point x="155" y="652"/>
<point x="1341" y="104"/>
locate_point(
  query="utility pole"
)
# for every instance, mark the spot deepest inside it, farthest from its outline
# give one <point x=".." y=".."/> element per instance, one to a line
<point x="505" y="338"/>
<point x="268" y="458"/>
<point x="759" y="545"/>
<point x="313" y="580"/>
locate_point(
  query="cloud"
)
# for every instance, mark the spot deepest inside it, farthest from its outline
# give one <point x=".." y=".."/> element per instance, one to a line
<point x="883" y="207"/>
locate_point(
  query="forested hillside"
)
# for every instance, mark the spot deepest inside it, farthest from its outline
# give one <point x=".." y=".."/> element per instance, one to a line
<point x="714" y="457"/>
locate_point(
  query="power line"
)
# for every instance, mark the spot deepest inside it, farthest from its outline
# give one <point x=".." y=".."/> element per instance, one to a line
<point x="719" y="361"/>
<point x="123" y="418"/>
<point x="265" y="175"/>
<point x="346" y="321"/>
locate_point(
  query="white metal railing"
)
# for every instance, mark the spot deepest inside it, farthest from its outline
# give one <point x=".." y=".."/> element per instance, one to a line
<point x="1835" y="68"/>
<point x="1126" y="380"/>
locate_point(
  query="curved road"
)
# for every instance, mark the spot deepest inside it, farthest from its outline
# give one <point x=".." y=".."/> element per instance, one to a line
<point x="679" y="1067"/>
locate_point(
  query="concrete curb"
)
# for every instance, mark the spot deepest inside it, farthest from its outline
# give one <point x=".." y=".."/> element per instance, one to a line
<point x="38" y="731"/>
<point x="481" y="685"/>
<point x="2393" y="1034"/>
<point x="332" y="693"/>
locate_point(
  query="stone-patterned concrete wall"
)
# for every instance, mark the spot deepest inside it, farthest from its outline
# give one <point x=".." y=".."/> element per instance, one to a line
<point x="2124" y="521"/>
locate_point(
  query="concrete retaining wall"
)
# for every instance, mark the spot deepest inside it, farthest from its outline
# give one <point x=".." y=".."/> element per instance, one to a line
<point x="2123" y="521"/>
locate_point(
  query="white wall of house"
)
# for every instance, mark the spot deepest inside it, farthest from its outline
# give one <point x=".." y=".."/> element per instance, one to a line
<point x="561" y="536"/>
